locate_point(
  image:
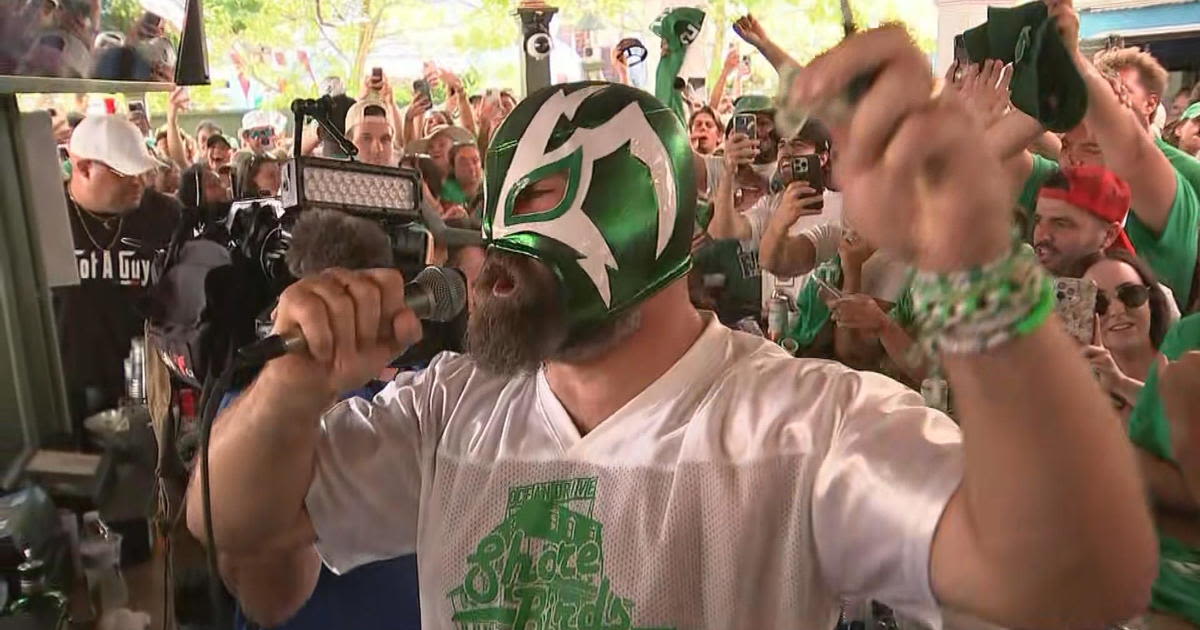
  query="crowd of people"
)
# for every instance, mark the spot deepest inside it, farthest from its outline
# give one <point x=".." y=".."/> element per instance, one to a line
<point x="788" y="243"/>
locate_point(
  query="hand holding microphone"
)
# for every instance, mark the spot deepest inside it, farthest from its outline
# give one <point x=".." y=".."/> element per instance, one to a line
<point x="353" y="324"/>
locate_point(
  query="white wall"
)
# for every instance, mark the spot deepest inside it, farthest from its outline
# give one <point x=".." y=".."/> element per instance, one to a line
<point x="954" y="17"/>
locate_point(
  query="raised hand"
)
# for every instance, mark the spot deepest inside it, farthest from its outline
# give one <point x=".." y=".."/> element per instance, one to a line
<point x="732" y="59"/>
<point x="984" y="90"/>
<point x="798" y="201"/>
<point x="179" y="102"/>
<point x="452" y="81"/>
<point x="1067" y="19"/>
<point x="911" y="163"/>
<point x="751" y="31"/>
<point x="740" y="150"/>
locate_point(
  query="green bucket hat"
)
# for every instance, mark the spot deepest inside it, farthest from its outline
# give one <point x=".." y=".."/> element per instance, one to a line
<point x="1045" y="84"/>
<point x="753" y="104"/>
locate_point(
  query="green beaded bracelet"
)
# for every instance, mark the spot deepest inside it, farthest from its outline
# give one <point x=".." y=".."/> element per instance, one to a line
<point x="975" y="310"/>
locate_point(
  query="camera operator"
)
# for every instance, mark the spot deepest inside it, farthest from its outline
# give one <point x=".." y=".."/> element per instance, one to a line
<point x="117" y="227"/>
<point x="381" y="595"/>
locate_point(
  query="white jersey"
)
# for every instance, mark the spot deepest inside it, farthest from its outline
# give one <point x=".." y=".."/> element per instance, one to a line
<point x="742" y="489"/>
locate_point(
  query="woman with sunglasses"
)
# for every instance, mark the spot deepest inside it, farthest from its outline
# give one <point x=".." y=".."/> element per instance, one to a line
<point x="1132" y="316"/>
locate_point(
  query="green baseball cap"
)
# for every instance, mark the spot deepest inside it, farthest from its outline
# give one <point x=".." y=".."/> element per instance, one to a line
<point x="1192" y="111"/>
<point x="753" y="104"/>
<point x="1045" y="83"/>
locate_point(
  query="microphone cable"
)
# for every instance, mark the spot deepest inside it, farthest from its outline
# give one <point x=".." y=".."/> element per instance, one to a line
<point x="210" y="404"/>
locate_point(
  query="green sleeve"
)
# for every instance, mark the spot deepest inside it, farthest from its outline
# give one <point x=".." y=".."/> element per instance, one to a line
<point x="1148" y="426"/>
<point x="813" y="314"/>
<point x="1042" y="169"/>
<point x="453" y="193"/>
<point x="1185" y="164"/>
<point x="1172" y="254"/>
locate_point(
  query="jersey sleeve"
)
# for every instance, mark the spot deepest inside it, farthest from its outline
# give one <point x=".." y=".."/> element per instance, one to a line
<point x="890" y="471"/>
<point x="371" y="458"/>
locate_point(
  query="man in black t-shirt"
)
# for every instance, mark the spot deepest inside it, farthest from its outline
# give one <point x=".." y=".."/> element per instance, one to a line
<point x="117" y="227"/>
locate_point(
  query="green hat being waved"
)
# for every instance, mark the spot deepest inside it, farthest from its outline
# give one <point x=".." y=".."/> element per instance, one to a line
<point x="623" y="229"/>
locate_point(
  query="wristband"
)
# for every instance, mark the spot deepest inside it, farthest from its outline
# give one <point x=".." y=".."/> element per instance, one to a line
<point x="976" y="310"/>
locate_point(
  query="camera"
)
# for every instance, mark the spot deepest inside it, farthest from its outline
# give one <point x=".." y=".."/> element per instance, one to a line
<point x="536" y="28"/>
<point x="538" y="45"/>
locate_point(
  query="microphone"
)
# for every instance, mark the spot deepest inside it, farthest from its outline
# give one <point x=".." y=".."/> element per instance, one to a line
<point x="437" y="294"/>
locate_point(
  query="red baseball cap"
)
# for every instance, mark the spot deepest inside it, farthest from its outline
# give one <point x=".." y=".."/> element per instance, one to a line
<point x="1097" y="191"/>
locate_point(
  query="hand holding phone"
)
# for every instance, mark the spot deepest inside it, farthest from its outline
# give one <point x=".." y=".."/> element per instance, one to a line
<point x="1076" y="306"/>
<point x="746" y="124"/>
<point x="421" y="91"/>
<point x="826" y="291"/>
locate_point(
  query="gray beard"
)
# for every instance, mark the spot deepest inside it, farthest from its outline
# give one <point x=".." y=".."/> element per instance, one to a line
<point x="517" y="334"/>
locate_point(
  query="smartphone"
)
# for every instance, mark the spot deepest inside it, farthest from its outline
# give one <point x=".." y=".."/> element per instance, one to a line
<point x="137" y="107"/>
<point x="827" y="292"/>
<point x="807" y="168"/>
<point x="63" y="154"/>
<point x="421" y="90"/>
<point x="1075" y="303"/>
<point x="747" y="124"/>
<point x="376" y="73"/>
<point x="961" y="57"/>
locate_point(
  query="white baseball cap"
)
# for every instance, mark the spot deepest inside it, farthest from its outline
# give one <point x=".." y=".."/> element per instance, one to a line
<point x="256" y="118"/>
<point x="459" y="135"/>
<point x="114" y="141"/>
<point x="358" y="110"/>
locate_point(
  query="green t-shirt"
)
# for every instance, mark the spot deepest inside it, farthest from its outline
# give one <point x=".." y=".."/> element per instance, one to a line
<point x="1187" y="165"/>
<point x="453" y="193"/>
<point x="1177" y="589"/>
<point x="1042" y="169"/>
<point x="741" y="295"/>
<point x="1171" y="254"/>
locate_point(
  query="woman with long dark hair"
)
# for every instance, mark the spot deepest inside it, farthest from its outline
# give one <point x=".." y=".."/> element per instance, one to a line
<point x="1132" y="316"/>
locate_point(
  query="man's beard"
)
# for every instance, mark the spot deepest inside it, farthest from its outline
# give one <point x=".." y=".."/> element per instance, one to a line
<point x="515" y="333"/>
<point x="1059" y="263"/>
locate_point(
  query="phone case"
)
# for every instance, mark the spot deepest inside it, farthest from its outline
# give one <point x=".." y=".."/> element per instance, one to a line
<point x="745" y="123"/>
<point x="1076" y="306"/>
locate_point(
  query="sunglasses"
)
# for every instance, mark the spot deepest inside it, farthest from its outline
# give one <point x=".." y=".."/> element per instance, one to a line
<point x="1131" y="295"/>
<point x="264" y="133"/>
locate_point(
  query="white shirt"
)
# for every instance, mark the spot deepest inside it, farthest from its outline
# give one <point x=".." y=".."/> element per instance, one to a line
<point x="742" y="489"/>
<point x="883" y="276"/>
<point x="759" y="216"/>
